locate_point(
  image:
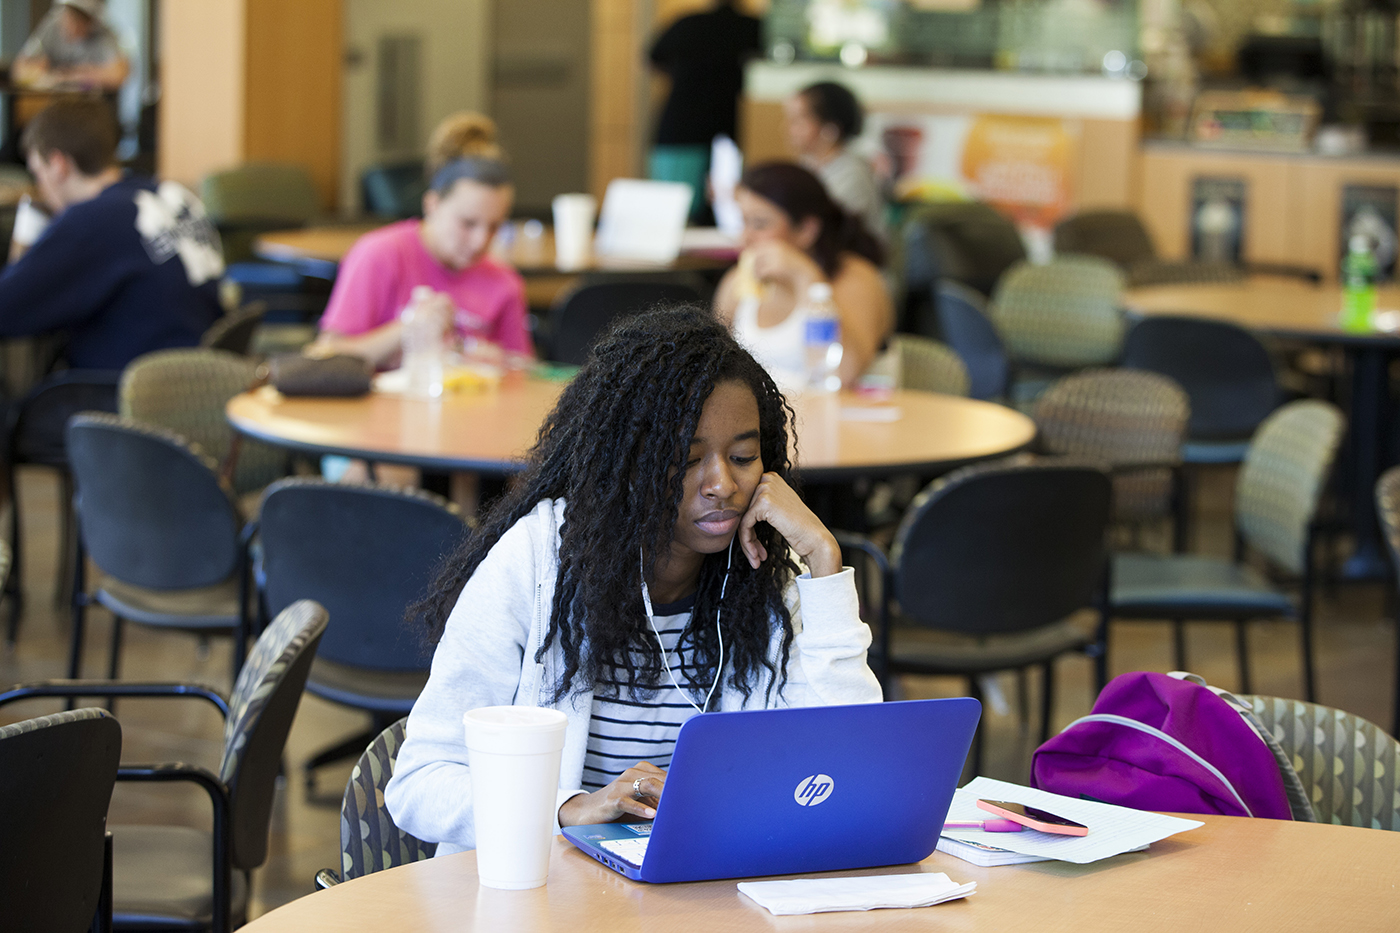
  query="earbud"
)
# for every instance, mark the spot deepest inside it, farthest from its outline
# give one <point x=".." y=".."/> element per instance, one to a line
<point x="719" y="632"/>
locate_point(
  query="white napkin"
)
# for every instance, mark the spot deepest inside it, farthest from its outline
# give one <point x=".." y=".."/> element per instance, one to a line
<point x="816" y="895"/>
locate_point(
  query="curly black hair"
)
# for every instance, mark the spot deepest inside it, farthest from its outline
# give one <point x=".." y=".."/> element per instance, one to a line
<point x="615" y="449"/>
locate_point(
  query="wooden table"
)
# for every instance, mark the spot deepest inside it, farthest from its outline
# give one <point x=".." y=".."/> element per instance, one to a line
<point x="490" y="432"/>
<point x="1284" y="307"/>
<point x="1292" y="308"/>
<point x="529" y="257"/>
<point x="1232" y="874"/>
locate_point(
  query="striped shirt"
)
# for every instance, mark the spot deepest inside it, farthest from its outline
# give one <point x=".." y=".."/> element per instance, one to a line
<point x="625" y="729"/>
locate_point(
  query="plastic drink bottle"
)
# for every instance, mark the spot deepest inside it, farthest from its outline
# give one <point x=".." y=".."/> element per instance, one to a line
<point x="1358" y="285"/>
<point x="423" y="345"/>
<point x="822" y="338"/>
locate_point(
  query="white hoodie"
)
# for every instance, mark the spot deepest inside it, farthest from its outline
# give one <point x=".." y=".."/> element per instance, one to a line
<point x="486" y="658"/>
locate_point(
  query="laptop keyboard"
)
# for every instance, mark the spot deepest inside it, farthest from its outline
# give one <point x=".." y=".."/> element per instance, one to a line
<point x="631" y="851"/>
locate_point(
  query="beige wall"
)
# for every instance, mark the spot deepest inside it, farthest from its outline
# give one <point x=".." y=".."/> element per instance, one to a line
<point x="202" y="83"/>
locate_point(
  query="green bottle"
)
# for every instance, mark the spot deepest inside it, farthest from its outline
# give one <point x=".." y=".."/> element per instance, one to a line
<point x="1358" y="286"/>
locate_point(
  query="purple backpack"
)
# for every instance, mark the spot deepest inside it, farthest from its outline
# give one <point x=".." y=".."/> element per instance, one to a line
<point x="1162" y="742"/>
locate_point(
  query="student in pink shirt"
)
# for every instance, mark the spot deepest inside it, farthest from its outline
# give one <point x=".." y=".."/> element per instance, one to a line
<point x="477" y="297"/>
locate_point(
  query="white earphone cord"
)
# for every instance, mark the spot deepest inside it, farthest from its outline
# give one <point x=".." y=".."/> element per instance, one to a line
<point x="719" y="633"/>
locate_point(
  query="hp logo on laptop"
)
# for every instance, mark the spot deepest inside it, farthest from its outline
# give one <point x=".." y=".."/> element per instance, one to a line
<point x="813" y="790"/>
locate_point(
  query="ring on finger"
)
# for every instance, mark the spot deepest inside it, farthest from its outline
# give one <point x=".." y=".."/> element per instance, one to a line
<point x="637" y="789"/>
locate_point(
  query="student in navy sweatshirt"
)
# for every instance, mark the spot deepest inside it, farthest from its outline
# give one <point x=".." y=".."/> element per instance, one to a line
<point x="126" y="267"/>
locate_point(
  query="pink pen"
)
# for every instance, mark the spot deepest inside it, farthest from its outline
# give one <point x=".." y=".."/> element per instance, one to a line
<point x="989" y="826"/>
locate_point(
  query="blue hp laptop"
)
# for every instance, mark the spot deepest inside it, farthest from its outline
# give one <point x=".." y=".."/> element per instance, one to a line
<point x="788" y="791"/>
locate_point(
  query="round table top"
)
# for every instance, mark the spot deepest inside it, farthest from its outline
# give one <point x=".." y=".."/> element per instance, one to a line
<point x="1232" y="874"/>
<point x="1283" y="306"/>
<point x="526" y="255"/>
<point x="837" y="436"/>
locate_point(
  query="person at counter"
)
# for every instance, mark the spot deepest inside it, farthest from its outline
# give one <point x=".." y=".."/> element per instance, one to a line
<point x="127" y="265"/>
<point x="72" y="48"/>
<point x="794" y="236"/>
<point x="822" y="119"/>
<point x="476" y="297"/>
<point x="650" y="564"/>
<point x="703" y="54"/>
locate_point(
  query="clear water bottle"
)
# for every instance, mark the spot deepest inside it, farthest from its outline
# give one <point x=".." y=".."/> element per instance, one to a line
<point x="424" y="348"/>
<point x="1358" y="285"/>
<point x="823" y="338"/>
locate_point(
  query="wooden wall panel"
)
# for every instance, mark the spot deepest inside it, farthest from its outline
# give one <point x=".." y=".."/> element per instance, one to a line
<point x="201" y="107"/>
<point x="292" y="109"/>
<point x="1293" y="202"/>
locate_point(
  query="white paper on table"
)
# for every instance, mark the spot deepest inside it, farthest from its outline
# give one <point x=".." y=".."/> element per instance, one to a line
<point x="868" y="892"/>
<point x="1112" y="830"/>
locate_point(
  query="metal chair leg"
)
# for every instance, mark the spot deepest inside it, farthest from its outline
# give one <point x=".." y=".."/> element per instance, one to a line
<point x="115" y="650"/>
<point x="1179" y="644"/>
<point x="13" y="589"/>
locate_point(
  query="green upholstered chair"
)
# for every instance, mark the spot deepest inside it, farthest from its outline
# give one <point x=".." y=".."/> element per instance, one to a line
<point x="369" y="840"/>
<point x="1349" y="766"/>
<point x="185" y="391"/>
<point x="929" y="366"/>
<point x="56" y="779"/>
<point x="254" y="198"/>
<point x="1388" y="507"/>
<point x="1132" y="422"/>
<point x="1063" y="314"/>
<point x="1276" y="499"/>
<point x="179" y="877"/>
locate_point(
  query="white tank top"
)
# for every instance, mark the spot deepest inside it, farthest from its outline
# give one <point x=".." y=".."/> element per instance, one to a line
<point x="780" y="349"/>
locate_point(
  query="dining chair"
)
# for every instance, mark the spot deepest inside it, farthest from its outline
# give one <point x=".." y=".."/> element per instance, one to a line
<point x="929" y="366"/>
<point x="971" y="243"/>
<point x="1062" y="315"/>
<point x="580" y="315"/>
<point x="963" y="324"/>
<point x="1348" y="765"/>
<point x="235" y="331"/>
<point x="988" y="572"/>
<point x="1120" y="237"/>
<point x="34" y="436"/>
<point x="248" y="200"/>
<point x="185" y="391"/>
<point x="1225" y="370"/>
<point x="1388" y="508"/>
<point x="56" y="779"/>
<point x="366" y="553"/>
<point x="1132" y="422"/>
<point x="168" y="877"/>
<point x="370" y="841"/>
<point x="394" y="190"/>
<point x="1276" y="496"/>
<point x="163" y="530"/>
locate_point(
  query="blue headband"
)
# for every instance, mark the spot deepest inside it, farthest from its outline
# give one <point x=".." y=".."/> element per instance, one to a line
<point x="490" y="172"/>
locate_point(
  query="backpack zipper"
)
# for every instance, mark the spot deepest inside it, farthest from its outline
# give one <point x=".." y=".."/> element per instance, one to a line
<point x="1174" y="743"/>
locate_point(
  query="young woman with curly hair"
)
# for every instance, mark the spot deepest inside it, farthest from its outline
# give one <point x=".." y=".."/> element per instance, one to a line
<point x="645" y="567"/>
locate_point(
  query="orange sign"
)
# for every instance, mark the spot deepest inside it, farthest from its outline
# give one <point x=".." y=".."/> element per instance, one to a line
<point x="1021" y="165"/>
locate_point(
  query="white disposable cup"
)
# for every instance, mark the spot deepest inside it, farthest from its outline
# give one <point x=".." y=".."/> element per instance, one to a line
<point x="514" y="752"/>
<point x="573" y="230"/>
<point x="29" y="222"/>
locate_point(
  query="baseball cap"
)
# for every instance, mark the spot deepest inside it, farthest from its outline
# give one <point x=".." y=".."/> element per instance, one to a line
<point x="92" y="8"/>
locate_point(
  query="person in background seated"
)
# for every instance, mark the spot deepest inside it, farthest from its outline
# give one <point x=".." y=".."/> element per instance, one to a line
<point x="646" y="567"/>
<point x="822" y="119"/>
<point x="72" y="48"/>
<point x="126" y="267"/>
<point x="795" y="236"/>
<point x="476" y="297"/>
